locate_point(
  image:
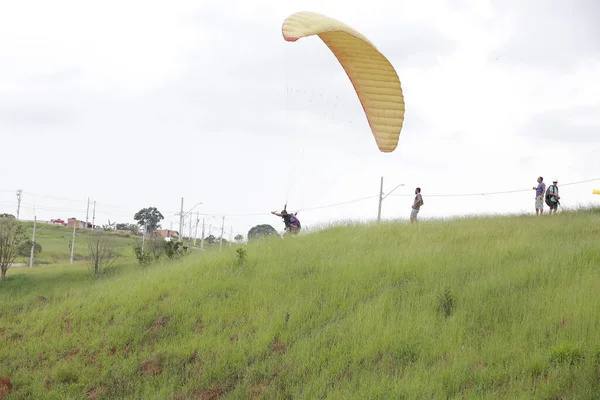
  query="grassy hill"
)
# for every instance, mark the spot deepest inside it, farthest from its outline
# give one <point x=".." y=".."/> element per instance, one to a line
<point x="56" y="243"/>
<point x="491" y="308"/>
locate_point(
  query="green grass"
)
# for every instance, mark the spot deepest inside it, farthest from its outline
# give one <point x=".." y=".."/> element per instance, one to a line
<point x="490" y="308"/>
<point x="56" y="243"/>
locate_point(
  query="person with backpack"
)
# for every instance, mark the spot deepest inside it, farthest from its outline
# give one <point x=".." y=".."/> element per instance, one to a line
<point x="292" y="223"/>
<point x="552" y="197"/>
<point x="539" y="196"/>
<point x="416" y="205"/>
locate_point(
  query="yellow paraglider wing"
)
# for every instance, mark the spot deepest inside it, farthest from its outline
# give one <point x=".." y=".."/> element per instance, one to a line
<point x="372" y="75"/>
<point x="596" y="191"/>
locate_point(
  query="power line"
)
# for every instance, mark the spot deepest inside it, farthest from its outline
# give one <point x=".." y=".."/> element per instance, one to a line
<point x="72" y="210"/>
<point x="494" y="193"/>
<point x="234" y="215"/>
<point x="123" y="214"/>
<point x="339" y="204"/>
<point x="77" y="201"/>
<point x="55" y="198"/>
<point x="301" y="209"/>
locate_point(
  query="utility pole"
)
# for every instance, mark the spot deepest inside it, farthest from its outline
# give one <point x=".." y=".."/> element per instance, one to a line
<point x="143" y="239"/>
<point x="231" y="235"/>
<point x="33" y="242"/>
<point x="222" y="231"/>
<point x="73" y="241"/>
<point x="19" y="197"/>
<point x="181" y="222"/>
<point x="87" y="213"/>
<point x="380" y="200"/>
<point x="382" y="197"/>
<point x="191" y="226"/>
<point x="196" y="233"/>
<point x="202" y="240"/>
<point x="94" y="215"/>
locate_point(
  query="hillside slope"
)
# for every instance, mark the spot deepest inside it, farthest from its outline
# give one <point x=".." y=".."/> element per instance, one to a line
<point x="474" y="308"/>
<point x="56" y="243"/>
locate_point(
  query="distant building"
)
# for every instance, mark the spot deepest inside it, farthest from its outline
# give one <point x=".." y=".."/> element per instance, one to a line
<point x="73" y="222"/>
<point x="166" y="233"/>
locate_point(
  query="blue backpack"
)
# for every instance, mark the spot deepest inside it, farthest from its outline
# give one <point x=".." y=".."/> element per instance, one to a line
<point x="294" y="221"/>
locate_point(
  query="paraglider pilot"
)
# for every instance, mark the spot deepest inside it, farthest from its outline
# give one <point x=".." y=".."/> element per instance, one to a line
<point x="292" y="224"/>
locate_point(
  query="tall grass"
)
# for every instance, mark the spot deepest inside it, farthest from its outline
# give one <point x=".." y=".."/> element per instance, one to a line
<point x="471" y="308"/>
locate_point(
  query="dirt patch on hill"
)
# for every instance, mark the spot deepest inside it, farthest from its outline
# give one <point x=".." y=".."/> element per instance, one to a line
<point x="5" y="387"/>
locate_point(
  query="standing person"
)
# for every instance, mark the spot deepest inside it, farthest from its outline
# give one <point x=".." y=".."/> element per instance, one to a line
<point x="416" y="205"/>
<point x="539" y="196"/>
<point x="553" y="196"/>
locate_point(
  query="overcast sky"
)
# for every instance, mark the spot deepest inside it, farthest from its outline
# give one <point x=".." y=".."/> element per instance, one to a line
<point x="140" y="103"/>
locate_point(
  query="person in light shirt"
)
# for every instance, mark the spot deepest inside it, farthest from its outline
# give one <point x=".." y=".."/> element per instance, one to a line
<point x="540" y="189"/>
<point x="416" y="205"/>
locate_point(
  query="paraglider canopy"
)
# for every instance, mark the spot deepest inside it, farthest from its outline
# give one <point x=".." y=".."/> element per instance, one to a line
<point x="372" y="75"/>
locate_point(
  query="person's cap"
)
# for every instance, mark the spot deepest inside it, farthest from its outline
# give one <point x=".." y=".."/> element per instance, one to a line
<point x="555" y="181"/>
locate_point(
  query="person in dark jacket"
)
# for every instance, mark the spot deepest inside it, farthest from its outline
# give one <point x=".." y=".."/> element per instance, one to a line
<point x="552" y="193"/>
<point x="292" y="224"/>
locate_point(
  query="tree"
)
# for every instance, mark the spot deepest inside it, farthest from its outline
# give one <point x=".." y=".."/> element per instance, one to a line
<point x="25" y="248"/>
<point x="175" y="250"/>
<point x="261" y="231"/>
<point x="102" y="253"/>
<point x="211" y="239"/>
<point x="150" y="217"/>
<point x="239" y="238"/>
<point x="133" y="228"/>
<point x="12" y="237"/>
<point x="109" y="227"/>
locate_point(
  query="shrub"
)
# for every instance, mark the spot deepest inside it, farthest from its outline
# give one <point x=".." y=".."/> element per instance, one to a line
<point x="156" y="248"/>
<point x="25" y="248"/>
<point x="240" y="256"/>
<point x="566" y="353"/>
<point x="102" y="253"/>
<point x="446" y="302"/>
